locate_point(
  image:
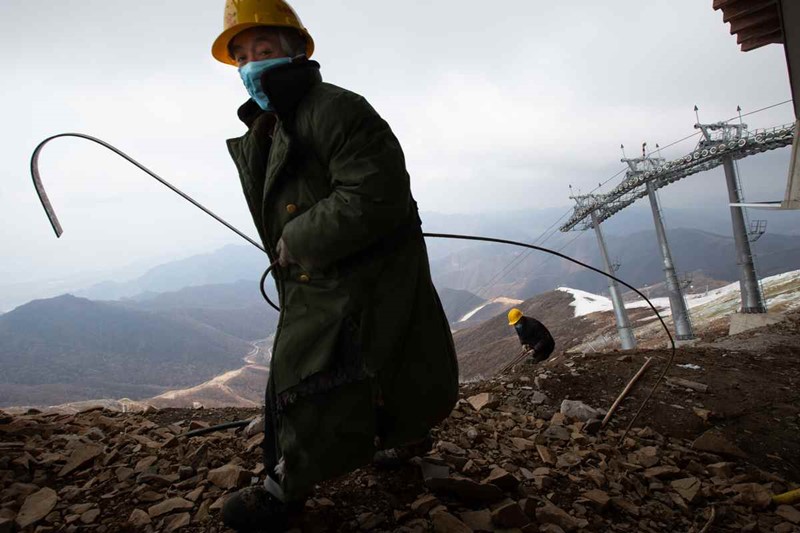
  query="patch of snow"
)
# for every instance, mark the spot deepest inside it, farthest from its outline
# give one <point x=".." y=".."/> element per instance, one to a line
<point x="586" y="302"/>
<point x="690" y="366"/>
<point x="498" y="300"/>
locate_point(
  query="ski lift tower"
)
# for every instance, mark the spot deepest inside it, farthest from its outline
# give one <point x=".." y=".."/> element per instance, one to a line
<point x="638" y="166"/>
<point x="592" y="204"/>
<point x="714" y="136"/>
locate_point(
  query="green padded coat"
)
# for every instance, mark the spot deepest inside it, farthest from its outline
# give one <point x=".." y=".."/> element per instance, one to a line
<point x="363" y="356"/>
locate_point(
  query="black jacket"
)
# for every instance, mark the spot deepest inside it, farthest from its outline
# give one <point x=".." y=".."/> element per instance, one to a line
<point x="536" y="335"/>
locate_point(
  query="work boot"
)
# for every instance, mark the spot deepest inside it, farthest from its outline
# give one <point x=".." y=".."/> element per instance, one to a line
<point x="394" y="457"/>
<point x="254" y="510"/>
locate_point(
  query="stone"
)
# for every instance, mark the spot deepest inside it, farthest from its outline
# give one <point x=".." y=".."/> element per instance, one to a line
<point x="509" y="514"/>
<point x="176" y="521"/>
<point x="139" y="518"/>
<point x="685" y="383"/>
<point x="752" y="495"/>
<point x="625" y="505"/>
<point x="522" y="444"/>
<point x="787" y="512"/>
<point x="444" y="522"/>
<point x="466" y="489"/>
<point x="451" y="448"/>
<point x="502" y="478"/>
<point x="218" y="503"/>
<point x="721" y="470"/>
<point x="539" y="398"/>
<point x="185" y="472"/>
<point x="80" y="508"/>
<point x="124" y="473"/>
<point x="228" y="477"/>
<point x="551" y="514"/>
<point x="90" y="516"/>
<point x="546" y="455"/>
<point x="483" y="400"/>
<point x="431" y="471"/>
<point x="150" y="496"/>
<point x="81" y="456"/>
<point x="478" y="520"/>
<point x="568" y="460"/>
<point x="143" y="464"/>
<point x="423" y="505"/>
<point x="195" y="494"/>
<point x="169" y="506"/>
<point x="598" y="497"/>
<point x="203" y="514"/>
<point x="646" y="456"/>
<point x="157" y="480"/>
<point x="36" y="507"/>
<point x="784" y="527"/>
<point x="592" y="427"/>
<point x="550" y="528"/>
<point x="665" y="471"/>
<point x="369" y="521"/>
<point x="686" y="487"/>
<point x="579" y="411"/>
<point x="713" y="441"/>
<point x="556" y="432"/>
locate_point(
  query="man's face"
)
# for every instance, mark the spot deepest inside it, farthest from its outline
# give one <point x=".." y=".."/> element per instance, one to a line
<point x="256" y="44"/>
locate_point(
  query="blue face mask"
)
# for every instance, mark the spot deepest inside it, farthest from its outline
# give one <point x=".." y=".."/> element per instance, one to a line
<point x="251" y="76"/>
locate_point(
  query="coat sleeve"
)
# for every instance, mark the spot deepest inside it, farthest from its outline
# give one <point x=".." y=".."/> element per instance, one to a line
<point x="370" y="194"/>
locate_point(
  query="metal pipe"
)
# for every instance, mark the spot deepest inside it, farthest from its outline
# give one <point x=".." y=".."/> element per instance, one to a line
<point x="680" y="313"/>
<point x="752" y="299"/>
<point x="623" y="324"/>
<point x="51" y="214"/>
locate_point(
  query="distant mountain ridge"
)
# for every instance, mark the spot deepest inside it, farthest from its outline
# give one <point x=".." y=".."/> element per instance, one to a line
<point x="229" y="264"/>
<point x="237" y="309"/>
<point x="74" y="348"/>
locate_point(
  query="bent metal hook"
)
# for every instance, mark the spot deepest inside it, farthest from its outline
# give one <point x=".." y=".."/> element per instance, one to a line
<point x="51" y="214"/>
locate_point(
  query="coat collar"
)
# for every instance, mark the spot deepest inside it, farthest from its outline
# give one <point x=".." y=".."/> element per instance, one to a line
<point x="285" y="86"/>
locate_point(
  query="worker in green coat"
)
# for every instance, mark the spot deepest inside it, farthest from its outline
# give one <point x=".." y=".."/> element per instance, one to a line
<point x="363" y="358"/>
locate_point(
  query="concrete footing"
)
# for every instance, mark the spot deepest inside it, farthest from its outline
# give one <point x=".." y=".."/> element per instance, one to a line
<point x="745" y="321"/>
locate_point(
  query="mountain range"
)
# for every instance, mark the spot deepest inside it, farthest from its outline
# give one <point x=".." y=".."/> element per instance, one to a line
<point x="70" y="348"/>
<point x="184" y="322"/>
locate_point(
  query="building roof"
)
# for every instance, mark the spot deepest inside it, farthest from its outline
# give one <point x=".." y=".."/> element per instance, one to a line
<point x="755" y="23"/>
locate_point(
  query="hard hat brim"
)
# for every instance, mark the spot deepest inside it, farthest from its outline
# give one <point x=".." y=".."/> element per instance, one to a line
<point x="220" y="47"/>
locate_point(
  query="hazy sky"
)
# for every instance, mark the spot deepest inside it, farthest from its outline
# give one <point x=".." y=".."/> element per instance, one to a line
<point x="498" y="106"/>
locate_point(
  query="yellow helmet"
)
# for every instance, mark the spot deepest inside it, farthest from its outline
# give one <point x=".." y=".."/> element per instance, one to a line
<point x="243" y="14"/>
<point x="513" y="316"/>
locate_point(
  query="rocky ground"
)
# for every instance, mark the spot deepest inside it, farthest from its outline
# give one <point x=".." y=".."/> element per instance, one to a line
<point x="715" y="443"/>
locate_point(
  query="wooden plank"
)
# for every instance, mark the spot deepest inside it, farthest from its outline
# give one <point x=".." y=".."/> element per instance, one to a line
<point x="759" y="30"/>
<point x="758" y="42"/>
<point x="768" y="14"/>
<point x="719" y="4"/>
<point x="742" y="8"/>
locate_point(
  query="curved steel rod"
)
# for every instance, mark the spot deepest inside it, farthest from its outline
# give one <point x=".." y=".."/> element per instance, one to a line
<point x="51" y="214"/>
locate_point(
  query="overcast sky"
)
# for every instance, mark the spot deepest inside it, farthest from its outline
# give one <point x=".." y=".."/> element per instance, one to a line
<point x="498" y="106"/>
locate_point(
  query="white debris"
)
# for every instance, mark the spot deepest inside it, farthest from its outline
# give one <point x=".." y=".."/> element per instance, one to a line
<point x="690" y="366"/>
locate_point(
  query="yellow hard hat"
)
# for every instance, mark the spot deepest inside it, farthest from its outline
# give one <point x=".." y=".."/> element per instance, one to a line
<point x="244" y="14"/>
<point x="513" y="316"/>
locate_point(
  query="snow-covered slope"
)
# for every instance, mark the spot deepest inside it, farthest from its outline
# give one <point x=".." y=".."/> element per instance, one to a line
<point x="782" y="292"/>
